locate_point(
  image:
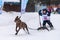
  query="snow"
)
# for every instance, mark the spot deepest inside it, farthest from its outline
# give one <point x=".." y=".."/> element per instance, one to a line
<point x="7" y="27"/>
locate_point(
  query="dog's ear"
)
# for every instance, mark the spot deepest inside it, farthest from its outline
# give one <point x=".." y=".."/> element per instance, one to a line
<point x="16" y="16"/>
<point x="20" y="17"/>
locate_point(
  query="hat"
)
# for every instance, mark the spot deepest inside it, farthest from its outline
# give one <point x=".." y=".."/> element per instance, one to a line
<point x="45" y="10"/>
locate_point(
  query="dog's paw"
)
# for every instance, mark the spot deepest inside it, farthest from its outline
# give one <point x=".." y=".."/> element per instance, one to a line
<point x="15" y="33"/>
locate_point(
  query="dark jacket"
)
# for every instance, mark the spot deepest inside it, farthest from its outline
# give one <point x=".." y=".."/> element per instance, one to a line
<point x="40" y="13"/>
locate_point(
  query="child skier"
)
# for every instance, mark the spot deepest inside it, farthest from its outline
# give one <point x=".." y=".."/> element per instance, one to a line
<point x="46" y="18"/>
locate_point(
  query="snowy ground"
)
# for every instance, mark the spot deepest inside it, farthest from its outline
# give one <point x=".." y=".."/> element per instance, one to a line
<point x="7" y="27"/>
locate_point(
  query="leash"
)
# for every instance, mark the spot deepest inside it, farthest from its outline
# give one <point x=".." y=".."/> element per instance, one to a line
<point x="32" y="28"/>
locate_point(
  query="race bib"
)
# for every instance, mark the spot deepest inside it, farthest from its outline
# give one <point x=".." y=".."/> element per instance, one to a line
<point x="45" y="17"/>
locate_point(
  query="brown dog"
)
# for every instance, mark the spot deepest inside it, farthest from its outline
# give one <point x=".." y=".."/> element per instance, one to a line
<point x="20" y="24"/>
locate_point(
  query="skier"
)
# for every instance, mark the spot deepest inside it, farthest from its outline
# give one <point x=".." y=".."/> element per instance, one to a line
<point x="46" y="18"/>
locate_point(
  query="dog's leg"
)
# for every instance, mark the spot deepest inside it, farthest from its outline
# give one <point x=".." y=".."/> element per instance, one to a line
<point x="27" y="30"/>
<point x="17" y="31"/>
<point x="46" y="28"/>
<point x="39" y="28"/>
<point x="24" y="29"/>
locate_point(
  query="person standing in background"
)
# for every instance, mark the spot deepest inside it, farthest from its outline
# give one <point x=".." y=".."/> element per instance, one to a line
<point x="1" y="6"/>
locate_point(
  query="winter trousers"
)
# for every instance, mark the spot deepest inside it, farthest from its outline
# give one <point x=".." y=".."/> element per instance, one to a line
<point x="49" y="23"/>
